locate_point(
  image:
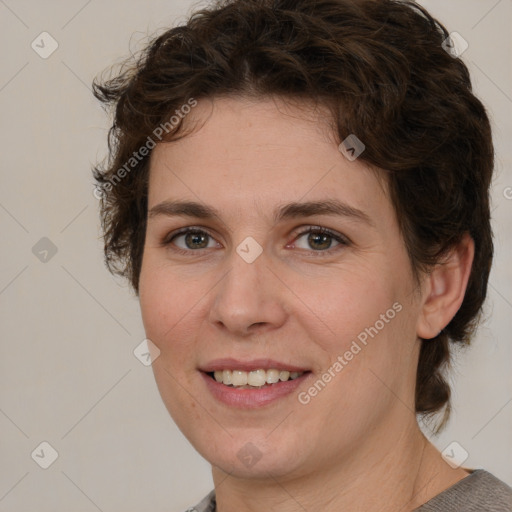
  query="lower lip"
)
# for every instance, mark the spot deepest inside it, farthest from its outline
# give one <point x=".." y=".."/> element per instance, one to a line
<point x="252" y="398"/>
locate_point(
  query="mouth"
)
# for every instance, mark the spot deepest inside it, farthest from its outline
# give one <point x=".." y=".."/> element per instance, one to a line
<point x="252" y="384"/>
<point x="255" y="379"/>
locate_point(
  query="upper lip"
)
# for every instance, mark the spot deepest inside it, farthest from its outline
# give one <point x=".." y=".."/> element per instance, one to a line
<point x="229" y="363"/>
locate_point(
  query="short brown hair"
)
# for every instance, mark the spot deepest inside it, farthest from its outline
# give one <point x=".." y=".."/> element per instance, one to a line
<point x="381" y="68"/>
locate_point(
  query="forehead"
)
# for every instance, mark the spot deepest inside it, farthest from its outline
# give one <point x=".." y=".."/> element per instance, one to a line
<point x="240" y="153"/>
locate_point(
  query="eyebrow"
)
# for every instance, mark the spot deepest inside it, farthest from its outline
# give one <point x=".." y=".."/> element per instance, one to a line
<point x="286" y="211"/>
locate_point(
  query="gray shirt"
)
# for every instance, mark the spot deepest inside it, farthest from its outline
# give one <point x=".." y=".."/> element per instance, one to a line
<point x="478" y="492"/>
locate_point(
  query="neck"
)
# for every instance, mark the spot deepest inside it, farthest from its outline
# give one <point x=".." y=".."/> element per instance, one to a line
<point x="400" y="472"/>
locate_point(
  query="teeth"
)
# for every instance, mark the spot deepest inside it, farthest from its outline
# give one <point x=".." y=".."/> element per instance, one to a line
<point x="272" y="376"/>
<point x="239" y="378"/>
<point x="255" y="378"/>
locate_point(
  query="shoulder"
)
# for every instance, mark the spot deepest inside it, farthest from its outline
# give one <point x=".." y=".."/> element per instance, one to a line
<point x="207" y="504"/>
<point x="479" y="492"/>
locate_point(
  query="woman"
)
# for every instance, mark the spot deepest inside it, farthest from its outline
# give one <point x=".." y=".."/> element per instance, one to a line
<point x="299" y="195"/>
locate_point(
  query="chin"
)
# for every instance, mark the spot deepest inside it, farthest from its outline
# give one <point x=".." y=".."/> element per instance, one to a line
<point x="252" y="456"/>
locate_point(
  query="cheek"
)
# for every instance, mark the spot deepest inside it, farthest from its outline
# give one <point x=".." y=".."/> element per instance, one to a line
<point x="167" y="303"/>
<point x="346" y="304"/>
<point x="167" y="307"/>
<point x="366" y="332"/>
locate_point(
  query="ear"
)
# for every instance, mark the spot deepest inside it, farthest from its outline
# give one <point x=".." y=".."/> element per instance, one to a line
<point x="444" y="289"/>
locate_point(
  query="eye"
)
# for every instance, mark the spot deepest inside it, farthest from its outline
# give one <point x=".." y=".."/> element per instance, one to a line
<point x="320" y="239"/>
<point x="190" y="239"/>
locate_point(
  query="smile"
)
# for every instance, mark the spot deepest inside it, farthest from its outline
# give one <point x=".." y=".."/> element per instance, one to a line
<point x="253" y="379"/>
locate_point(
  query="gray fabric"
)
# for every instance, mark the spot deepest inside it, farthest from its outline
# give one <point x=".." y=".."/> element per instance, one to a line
<point x="478" y="492"/>
<point x="207" y="504"/>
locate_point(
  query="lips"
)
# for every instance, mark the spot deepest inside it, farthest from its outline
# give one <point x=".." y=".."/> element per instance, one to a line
<point x="229" y="381"/>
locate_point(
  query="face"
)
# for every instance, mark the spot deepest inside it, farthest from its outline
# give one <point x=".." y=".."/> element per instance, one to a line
<point x="291" y="261"/>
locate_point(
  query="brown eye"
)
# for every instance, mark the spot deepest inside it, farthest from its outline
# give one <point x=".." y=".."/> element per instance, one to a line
<point x="320" y="240"/>
<point x="190" y="240"/>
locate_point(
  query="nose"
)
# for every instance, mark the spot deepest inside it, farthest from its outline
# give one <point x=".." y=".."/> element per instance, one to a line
<point x="249" y="299"/>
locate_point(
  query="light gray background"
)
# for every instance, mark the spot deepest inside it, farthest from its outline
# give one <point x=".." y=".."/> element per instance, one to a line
<point x="68" y="373"/>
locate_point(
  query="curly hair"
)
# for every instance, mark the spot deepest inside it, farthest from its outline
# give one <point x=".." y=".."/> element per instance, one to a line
<point x="381" y="68"/>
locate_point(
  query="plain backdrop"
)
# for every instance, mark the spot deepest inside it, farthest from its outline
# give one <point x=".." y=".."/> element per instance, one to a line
<point x="69" y="376"/>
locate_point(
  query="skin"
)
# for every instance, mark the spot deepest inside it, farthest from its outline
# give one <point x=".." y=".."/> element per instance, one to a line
<point x="356" y="445"/>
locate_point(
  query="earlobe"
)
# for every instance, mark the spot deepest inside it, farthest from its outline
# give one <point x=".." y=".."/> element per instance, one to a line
<point x="445" y="288"/>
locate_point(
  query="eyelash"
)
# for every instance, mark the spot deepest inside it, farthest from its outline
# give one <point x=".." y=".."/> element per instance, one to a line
<point x="318" y="230"/>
